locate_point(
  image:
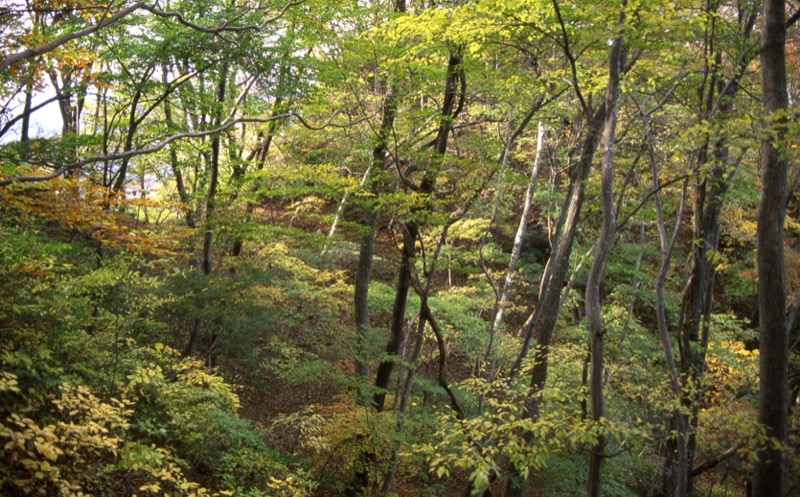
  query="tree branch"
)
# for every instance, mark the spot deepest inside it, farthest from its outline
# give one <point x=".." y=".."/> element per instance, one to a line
<point x="712" y="463"/>
<point x="6" y="62"/>
<point x="49" y="47"/>
<point x="622" y="225"/>
<point x="155" y="148"/>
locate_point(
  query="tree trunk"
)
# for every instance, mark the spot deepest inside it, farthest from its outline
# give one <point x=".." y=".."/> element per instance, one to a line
<point x="366" y="254"/>
<point x="26" y="116"/>
<point x="180" y="185"/>
<point x="712" y="180"/>
<point x="411" y="229"/>
<point x="206" y="263"/>
<point x="545" y="316"/>
<point x="594" y="314"/>
<point x="676" y="467"/>
<point x="773" y="335"/>
<point x="505" y="295"/>
<point x="213" y="176"/>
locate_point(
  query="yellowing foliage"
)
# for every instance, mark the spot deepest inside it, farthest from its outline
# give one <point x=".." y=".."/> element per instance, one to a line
<point x="68" y="455"/>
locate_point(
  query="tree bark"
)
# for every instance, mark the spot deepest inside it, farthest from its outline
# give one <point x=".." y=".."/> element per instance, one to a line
<point x="543" y="324"/>
<point x="676" y="475"/>
<point x="206" y="263"/>
<point x="26" y="116"/>
<point x="411" y="229"/>
<point x="594" y="314"/>
<point x="712" y="180"/>
<point x="180" y="185"/>
<point x="505" y="295"/>
<point x="773" y="336"/>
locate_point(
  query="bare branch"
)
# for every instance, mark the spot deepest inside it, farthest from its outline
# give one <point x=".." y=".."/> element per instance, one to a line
<point x="225" y="27"/>
<point x="155" y="148"/>
<point x="33" y="109"/>
<point x="49" y="47"/>
<point x="6" y="62"/>
<point x="622" y="225"/>
<point x="710" y="464"/>
<point x="572" y="62"/>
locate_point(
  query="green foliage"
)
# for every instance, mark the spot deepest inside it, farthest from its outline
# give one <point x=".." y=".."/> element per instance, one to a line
<point x="100" y="289"/>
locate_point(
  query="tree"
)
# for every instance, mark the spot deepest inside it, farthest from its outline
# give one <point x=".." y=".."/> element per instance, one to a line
<point x="773" y="400"/>
<point x="594" y="313"/>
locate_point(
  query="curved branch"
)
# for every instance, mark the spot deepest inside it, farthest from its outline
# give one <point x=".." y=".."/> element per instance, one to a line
<point x="225" y="26"/>
<point x="49" y="47"/>
<point x="622" y="225"/>
<point x="572" y="62"/>
<point x="6" y="62"/>
<point x="155" y="148"/>
<point x="442" y="377"/>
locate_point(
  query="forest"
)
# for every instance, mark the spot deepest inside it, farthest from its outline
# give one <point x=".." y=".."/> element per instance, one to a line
<point x="400" y="248"/>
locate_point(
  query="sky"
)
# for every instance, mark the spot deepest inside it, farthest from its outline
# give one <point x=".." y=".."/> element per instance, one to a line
<point x="44" y="122"/>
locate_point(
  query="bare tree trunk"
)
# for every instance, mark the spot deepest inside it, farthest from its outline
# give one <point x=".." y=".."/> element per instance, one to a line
<point x="425" y="316"/>
<point x="26" y="116"/>
<point x="773" y="336"/>
<point x="505" y="295"/>
<point x="342" y="203"/>
<point x="366" y="254"/>
<point x="213" y="177"/>
<point x="180" y="185"/>
<point x="594" y="314"/>
<point x="411" y="230"/>
<point x="367" y="248"/>
<point x="679" y="479"/>
<point x="451" y="106"/>
<point x="543" y="323"/>
<point x="206" y="262"/>
<point x="713" y="178"/>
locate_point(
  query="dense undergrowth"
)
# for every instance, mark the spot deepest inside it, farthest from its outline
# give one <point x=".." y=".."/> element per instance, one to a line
<point x="98" y="400"/>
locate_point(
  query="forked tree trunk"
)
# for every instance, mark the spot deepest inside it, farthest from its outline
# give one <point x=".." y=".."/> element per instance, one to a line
<point x="678" y="478"/>
<point x="451" y="106"/>
<point x="411" y="230"/>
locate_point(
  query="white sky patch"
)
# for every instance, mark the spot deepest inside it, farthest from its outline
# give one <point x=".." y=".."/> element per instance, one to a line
<point x="45" y="121"/>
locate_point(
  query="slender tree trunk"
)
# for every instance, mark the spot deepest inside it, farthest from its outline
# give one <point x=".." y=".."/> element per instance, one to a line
<point x="449" y="111"/>
<point x="133" y="124"/>
<point x="594" y="314"/>
<point x="425" y="316"/>
<point x="542" y="326"/>
<point x="516" y="250"/>
<point x="773" y="336"/>
<point x="366" y="254"/>
<point x="180" y="185"/>
<point x="411" y="229"/>
<point x="712" y="180"/>
<point x="546" y="313"/>
<point x="260" y="155"/>
<point x="213" y="177"/>
<point x="26" y="116"/>
<point x="206" y="266"/>
<point x="676" y="473"/>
